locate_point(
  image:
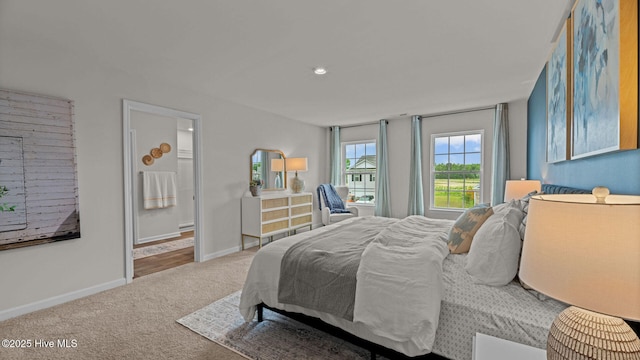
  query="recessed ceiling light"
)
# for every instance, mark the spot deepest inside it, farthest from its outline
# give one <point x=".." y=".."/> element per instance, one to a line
<point x="319" y="70"/>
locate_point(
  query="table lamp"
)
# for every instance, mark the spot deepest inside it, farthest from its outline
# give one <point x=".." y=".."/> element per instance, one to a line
<point x="296" y="164"/>
<point x="277" y="166"/>
<point x="516" y="189"/>
<point x="585" y="251"/>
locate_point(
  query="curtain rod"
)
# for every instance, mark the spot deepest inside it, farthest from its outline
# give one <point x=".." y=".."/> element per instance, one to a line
<point x="425" y="116"/>
<point x="356" y="125"/>
<point x="458" y="111"/>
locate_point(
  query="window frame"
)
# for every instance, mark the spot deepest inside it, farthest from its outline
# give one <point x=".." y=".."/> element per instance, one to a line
<point x="343" y="170"/>
<point x="432" y="171"/>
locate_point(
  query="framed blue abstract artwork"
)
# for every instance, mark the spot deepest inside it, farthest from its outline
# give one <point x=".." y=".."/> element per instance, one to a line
<point x="600" y="112"/>
<point x="558" y="98"/>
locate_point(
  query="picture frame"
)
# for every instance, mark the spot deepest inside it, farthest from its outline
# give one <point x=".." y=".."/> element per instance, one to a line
<point x="605" y="77"/>
<point x="38" y="170"/>
<point x="559" y="97"/>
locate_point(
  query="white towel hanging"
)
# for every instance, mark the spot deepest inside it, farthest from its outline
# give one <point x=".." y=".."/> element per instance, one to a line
<point x="159" y="189"/>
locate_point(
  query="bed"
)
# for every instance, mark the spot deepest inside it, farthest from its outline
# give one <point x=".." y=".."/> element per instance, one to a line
<point x="463" y="307"/>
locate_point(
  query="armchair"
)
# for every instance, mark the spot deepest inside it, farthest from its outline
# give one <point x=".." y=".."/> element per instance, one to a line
<point x="332" y="204"/>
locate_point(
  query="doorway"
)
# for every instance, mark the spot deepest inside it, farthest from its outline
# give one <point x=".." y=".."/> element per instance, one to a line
<point x="160" y="255"/>
<point x="159" y="219"/>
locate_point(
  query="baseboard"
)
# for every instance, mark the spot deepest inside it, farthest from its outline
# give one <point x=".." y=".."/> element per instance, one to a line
<point x="186" y="226"/>
<point x="218" y="254"/>
<point x="59" y="299"/>
<point x="158" y="237"/>
<point x="252" y="243"/>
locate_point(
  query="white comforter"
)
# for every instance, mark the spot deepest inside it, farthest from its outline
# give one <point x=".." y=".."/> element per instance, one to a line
<point x="398" y="290"/>
<point x="399" y="282"/>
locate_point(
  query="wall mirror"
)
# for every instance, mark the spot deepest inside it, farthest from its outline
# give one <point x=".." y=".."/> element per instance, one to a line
<point x="268" y="165"/>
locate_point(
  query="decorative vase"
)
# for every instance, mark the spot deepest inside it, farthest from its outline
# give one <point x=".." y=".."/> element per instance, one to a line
<point x="255" y="190"/>
<point x="297" y="184"/>
<point x="278" y="182"/>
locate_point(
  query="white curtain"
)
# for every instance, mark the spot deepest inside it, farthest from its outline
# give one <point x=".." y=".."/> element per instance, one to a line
<point x="500" y="158"/>
<point x="382" y="200"/>
<point x="416" y="198"/>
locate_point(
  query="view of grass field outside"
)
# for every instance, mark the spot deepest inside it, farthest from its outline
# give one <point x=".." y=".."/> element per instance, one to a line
<point x="360" y="171"/>
<point x="457" y="170"/>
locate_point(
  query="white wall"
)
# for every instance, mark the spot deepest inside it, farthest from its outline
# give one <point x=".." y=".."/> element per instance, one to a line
<point x="399" y="138"/>
<point x="46" y="274"/>
<point x="185" y="179"/>
<point x="152" y="130"/>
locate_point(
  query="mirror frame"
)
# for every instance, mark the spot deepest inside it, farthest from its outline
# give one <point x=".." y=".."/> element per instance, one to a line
<point x="284" y="184"/>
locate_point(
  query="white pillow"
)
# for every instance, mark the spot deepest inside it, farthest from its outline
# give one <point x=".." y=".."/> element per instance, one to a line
<point x="504" y="207"/>
<point x="495" y="250"/>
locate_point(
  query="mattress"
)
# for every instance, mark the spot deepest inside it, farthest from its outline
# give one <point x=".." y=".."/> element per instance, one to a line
<point x="508" y="312"/>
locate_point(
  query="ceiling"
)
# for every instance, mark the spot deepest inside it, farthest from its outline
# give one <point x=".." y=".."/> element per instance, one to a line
<point x="384" y="58"/>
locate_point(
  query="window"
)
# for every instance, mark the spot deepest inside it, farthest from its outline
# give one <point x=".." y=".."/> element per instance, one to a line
<point x="360" y="170"/>
<point x="456" y="170"/>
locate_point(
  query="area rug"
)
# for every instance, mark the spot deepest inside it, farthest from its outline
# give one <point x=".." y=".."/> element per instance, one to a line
<point x="143" y="252"/>
<point x="276" y="337"/>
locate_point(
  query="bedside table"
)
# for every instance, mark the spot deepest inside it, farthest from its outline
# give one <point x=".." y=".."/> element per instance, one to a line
<point x="487" y="347"/>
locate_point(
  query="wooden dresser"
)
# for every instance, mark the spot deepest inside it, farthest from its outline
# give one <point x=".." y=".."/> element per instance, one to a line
<point x="276" y="213"/>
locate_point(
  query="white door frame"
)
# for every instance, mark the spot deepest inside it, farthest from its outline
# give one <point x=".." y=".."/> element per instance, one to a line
<point x="129" y="213"/>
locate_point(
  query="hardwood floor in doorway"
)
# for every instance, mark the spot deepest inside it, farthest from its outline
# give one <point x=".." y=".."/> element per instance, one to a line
<point x="160" y="262"/>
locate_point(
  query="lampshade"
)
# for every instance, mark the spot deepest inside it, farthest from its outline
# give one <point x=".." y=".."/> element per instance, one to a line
<point x="587" y="254"/>
<point x="584" y="253"/>
<point x="515" y="189"/>
<point x="277" y="164"/>
<point x="296" y="164"/>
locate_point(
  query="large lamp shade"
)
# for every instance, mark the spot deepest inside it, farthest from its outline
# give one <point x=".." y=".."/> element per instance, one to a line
<point x="296" y="164"/>
<point x="516" y="189"/>
<point x="277" y="165"/>
<point x="586" y="253"/>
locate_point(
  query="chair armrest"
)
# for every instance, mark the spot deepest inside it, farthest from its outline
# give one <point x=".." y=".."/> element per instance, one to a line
<point x="353" y="210"/>
<point x="326" y="213"/>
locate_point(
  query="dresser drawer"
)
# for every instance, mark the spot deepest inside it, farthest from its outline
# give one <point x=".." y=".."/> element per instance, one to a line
<point x="299" y="210"/>
<point x="275" y="226"/>
<point x="275" y="214"/>
<point x="302" y="199"/>
<point x="302" y="220"/>
<point x="275" y="203"/>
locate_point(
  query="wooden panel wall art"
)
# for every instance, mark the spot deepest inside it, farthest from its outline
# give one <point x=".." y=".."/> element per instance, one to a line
<point x="38" y="176"/>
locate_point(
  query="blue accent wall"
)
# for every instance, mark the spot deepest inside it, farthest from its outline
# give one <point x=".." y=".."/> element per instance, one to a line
<point x="619" y="171"/>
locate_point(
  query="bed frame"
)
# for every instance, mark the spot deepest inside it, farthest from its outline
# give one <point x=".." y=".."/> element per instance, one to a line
<point x="376" y="349"/>
<point x="318" y="324"/>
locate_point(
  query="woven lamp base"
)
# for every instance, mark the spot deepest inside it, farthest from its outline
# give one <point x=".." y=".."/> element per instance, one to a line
<point x="578" y="334"/>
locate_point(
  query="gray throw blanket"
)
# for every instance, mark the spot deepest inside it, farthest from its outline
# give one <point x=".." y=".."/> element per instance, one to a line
<point x="319" y="273"/>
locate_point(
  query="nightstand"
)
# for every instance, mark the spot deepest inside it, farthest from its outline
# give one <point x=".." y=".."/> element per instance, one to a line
<point x="487" y="347"/>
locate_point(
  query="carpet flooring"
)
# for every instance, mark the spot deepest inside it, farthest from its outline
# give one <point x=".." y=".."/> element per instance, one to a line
<point x="275" y="338"/>
<point x="142" y="252"/>
<point x="134" y="321"/>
